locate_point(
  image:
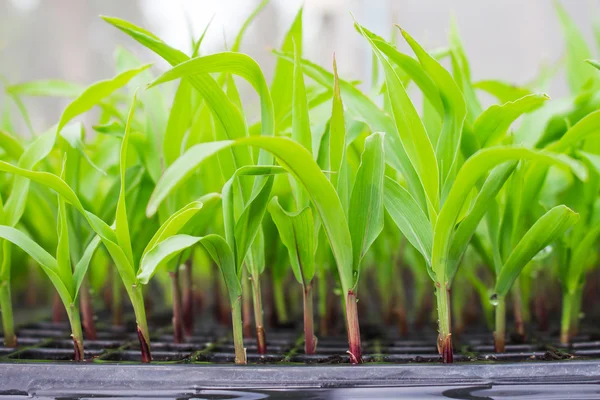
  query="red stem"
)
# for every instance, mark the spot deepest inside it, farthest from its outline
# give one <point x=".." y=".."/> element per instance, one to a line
<point x="353" y="329"/>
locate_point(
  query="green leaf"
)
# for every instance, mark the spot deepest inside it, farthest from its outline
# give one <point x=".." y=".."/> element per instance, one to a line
<point x="503" y="91"/>
<point x="470" y="173"/>
<point x="238" y="39"/>
<point x="337" y="131"/>
<point x="455" y="111"/>
<point x="82" y="266"/>
<point x="578" y="260"/>
<point x="546" y="230"/>
<point x="162" y="253"/>
<point x="485" y="199"/>
<point x="241" y="233"/>
<point x="11" y="145"/>
<point x="282" y="84"/>
<point x="225" y="111"/>
<point x="593" y="63"/>
<point x="409" y="217"/>
<point x="121" y="224"/>
<point x="46" y="88"/>
<point x="493" y="123"/>
<point x="41" y="256"/>
<point x="37" y="151"/>
<point x="63" y="257"/>
<point x="366" y="202"/>
<point x="297" y="233"/>
<point x="95" y="93"/>
<point x="295" y="159"/>
<point x="414" y="139"/>
<point x="248" y="224"/>
<point x="232" y="63"/>
<point x="410" y="66"/>
<point x="222" y="255"/>
<point x="178" y="123"/>
<point x="583" y="129"/>
<point x="361" y="107"/>
<point x="578" y="74"/>
<point x="177" y="221"/>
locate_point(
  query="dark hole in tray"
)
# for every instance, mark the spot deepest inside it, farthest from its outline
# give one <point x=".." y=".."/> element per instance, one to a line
<point x="88" y="344"/>
<point x="52" y="354"/>
<point x="171" y="347"/>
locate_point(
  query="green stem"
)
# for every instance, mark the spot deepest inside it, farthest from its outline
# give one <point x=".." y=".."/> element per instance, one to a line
<point x="279" y="299"/>
<point x="310" y="341"/>
<point x="261" y="341"/>
<point x="8" y="324"/>
<point x="566" y="318"/>
<point x="238" y="333"/>
<point x="137" y="300"/>
<point x="76" y="331"/>
<point x="578" y="298"/>
<point x="444" y="324"/>
<point x="246" y="307"/>
<point x="500" y="332"/>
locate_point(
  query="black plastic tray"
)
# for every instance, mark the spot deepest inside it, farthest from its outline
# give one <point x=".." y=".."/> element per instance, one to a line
<point x="203" y="367"/>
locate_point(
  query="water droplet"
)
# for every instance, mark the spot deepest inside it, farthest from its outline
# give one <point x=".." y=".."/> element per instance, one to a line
<point x="543" y="253"/>
<point x="494" y="299"/>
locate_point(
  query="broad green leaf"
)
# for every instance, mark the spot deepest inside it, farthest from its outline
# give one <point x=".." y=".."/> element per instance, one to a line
<point x="232" y="63"/>
<point x="162" y="253"/>
<point x="462" y="73"/>
<point x="454" y="116"/>
<point x="578" y="74"/>
<point x="493" y="123"/>
<point x="121" y="224"/>
<point x="593" y="63"/>
<point x="95" y="93"/>
<point x="41" y="256"/>
<point x="240" y="233"/>
<point x="365" y="214"/>
<point x="282" y="84"/>
<point x="11" y="145"/>
<point x="408" y="216"/>
<point x="503" y="91"/>
<point x="46" y="88"/>
<point x="36" y="152"/>
<point x="238" y="39"/>
<point x="222" y="255"/>
<point x="360" y="106"/>
<point x="412" y="133"/>
<point x="295" y="159"/>
<point x="484" y="201"/>
<point x="63" y="257"/>
<point x="248" y="224"/>
<point x="74" y="135"/>
<point x="178" y="123"/>
<point x="470" y="173"/>
<point x="337" y="131"/>
<point x="225" y="111"/>
<point x="586" y="127"/>
<point x="297" y="233"/>
<point x="546" y="230"/>
<point x="82" y="265"/>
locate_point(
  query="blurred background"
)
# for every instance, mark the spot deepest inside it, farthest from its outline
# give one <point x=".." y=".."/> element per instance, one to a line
<point x="65" y="39"/>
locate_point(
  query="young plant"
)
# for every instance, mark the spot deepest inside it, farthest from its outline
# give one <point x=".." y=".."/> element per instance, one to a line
<point x="67" y="279"/>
